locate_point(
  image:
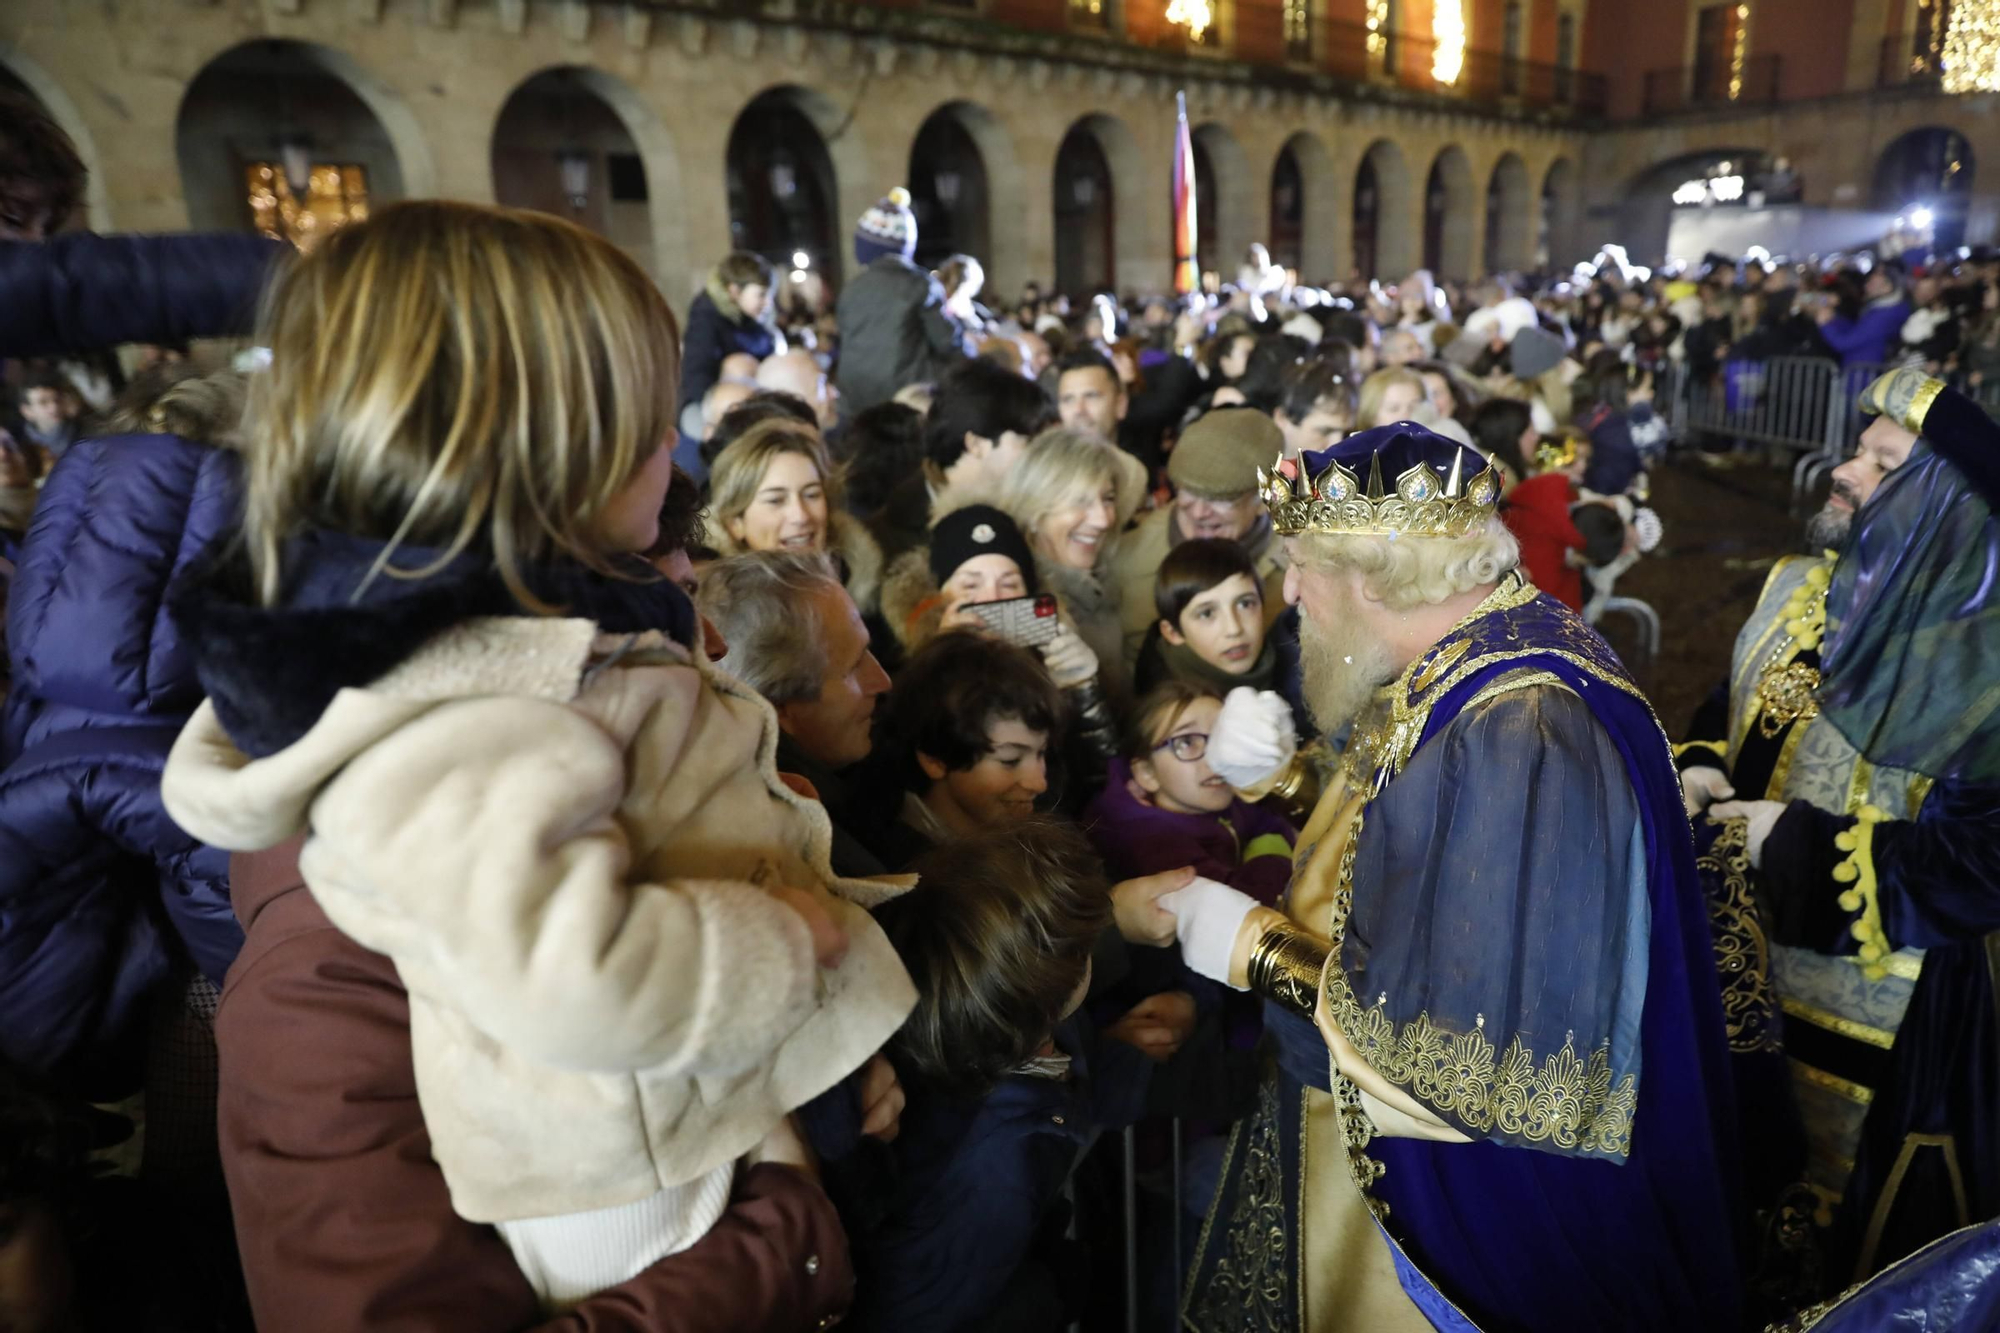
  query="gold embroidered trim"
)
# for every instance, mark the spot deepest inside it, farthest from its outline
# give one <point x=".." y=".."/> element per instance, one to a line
<point x="1742" y="954"/>
<point x="1833" y="1083"/>
<point x="1803" y="620"/>
<point x="1378" y="751"/>
<point x="1782" y="770"/>
<point x="1907" y="964"/>
<point x="1564" y="1099"/>
<point x="1245" y="1292"/>
<point x="1859" y="870"/>
<point x="1832" y="1022"/>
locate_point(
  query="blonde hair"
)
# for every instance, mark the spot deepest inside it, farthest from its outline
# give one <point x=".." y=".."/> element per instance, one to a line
<point x="739" y="471"/>
<point x="1055" y="466"/>
<point x="1407" y="572"/>
<point x="1376" y="387"/>
<point x="456" y="375"/>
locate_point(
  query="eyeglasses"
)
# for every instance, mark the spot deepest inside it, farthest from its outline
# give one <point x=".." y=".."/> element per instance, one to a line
<point x="1187" y="747"/>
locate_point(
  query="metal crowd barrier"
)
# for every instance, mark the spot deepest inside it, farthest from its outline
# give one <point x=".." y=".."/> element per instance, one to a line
<point x="1799" y="405"/>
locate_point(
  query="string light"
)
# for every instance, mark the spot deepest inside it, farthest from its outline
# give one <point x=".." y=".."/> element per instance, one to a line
<point x="1378" y="27"/>
<point x="1972" y="48"/>
<point x="1448" y="35"/>
<point x="1194" y="15"/>
<point x="1739" y="52"/>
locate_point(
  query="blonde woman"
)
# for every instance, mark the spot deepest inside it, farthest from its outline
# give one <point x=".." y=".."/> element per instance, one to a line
<point x="776" y="489"/>
<point x="437" y="658"/>
<point x="1389" y="396"/>
<point x="1072" y="495"/>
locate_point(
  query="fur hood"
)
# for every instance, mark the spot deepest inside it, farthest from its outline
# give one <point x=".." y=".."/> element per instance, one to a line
<point x="848" y="541"/>
<point x="725" y="304"/>
<point x="910" y="601"/>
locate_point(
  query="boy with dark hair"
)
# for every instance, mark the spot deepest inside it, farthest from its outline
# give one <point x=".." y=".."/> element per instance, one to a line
<point x="980" y="421"/>
<point x="1316" y="406"/>
<point x="1212" y="629"/>
<point x="1008" y="1084"/>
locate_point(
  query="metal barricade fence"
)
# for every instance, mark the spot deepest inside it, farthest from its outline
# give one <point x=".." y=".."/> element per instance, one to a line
<point x="1804" y="406"/>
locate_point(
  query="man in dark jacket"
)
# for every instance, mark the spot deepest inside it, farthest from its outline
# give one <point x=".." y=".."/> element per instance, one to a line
<point x="893" y="327"/>
<point x="730" y="315"/>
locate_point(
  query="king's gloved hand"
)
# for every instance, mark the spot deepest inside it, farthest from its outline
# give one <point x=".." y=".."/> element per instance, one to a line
<point x="1253" y="737"/>
<point x="1208" y="916"/>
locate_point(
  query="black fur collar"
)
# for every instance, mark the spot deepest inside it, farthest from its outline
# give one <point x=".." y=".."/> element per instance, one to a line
<point x="271" y="671"/>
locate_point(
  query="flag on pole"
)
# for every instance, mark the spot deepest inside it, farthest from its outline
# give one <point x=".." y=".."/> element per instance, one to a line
<point x="1187" y="268"/>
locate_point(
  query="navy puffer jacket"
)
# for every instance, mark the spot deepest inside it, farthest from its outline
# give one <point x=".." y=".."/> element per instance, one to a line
<point x="99" y="890"/>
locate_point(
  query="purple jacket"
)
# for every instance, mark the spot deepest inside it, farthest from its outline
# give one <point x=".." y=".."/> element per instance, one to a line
<point x="1246" y="847"/>
<point x="99" y="891"/>
<point x="81" y="291"/>
<point x="1867" y="338"/>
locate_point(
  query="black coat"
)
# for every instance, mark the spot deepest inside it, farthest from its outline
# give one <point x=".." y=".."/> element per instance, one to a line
<point x="713" y="334"/>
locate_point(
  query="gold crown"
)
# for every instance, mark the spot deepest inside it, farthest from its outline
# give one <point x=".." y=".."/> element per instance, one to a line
<point x="1555" y="455"/>
<point x="1423" y="504"/>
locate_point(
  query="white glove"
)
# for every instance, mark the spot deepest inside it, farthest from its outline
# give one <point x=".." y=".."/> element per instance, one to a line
<point x="1207" y="916"/>
<point x="1763" y="817"/>
<point x="1069" y="659"/>
<point x="1253" y="737"/>
<point x="1702" y="786"/>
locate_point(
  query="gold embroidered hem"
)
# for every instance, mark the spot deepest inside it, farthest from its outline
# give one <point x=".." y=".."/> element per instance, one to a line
<point x="1742" y="954"/>
<point x="1563" y="1098"/>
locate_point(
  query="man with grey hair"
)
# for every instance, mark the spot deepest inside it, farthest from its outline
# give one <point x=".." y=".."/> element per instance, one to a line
<point x="796" y="638"/>
<point x="1494" y="929"/>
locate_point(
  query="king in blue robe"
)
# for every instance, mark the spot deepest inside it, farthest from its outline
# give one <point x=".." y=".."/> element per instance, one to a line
<point x="1496" y="932"/>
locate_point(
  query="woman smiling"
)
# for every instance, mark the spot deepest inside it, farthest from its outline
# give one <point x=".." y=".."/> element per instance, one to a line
<point x="775" y="489"/>
<point x="1072" y="495"/>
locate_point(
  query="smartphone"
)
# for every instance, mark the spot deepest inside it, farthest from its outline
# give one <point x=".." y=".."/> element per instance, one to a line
<point x="1028" y="622"/>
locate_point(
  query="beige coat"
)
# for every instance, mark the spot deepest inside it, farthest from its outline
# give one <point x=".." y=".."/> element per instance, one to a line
<point x="1135" y="568"/>
<point x="558" y="836"/>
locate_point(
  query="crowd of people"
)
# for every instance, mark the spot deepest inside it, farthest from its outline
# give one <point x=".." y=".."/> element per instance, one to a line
<point x="527" y="807"/>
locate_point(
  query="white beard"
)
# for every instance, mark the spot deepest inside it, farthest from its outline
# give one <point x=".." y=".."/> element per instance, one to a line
<point x="1342" y="667"/>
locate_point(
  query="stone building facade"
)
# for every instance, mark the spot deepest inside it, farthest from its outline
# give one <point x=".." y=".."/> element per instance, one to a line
<point x="477" y="99"/>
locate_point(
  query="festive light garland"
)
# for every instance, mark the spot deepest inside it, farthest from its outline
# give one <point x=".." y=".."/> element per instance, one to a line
<point x="1739" y="52"/>
<point x="1972" y="48"/>
<point x="1448" y="34"/>
<point x="1378" y="27"/>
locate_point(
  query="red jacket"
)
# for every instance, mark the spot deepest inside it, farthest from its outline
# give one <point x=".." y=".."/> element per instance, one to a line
<point x="343" y="1219"/>
<point x="1537" y="513"/>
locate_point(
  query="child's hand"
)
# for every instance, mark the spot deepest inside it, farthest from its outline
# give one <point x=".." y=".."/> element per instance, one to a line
<point x="1135" y="904"/>
<point x="829" y="940"/>
<point x="881" y="1100"/>
<point x="1157" y="1025"/>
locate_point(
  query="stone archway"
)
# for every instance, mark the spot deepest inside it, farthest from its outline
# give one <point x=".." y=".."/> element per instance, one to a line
<point x="1556" y="222"/>
<point x="1510" y="225"/>
<point x="292" y="139"/>
<point x="1306" y="166"/>
<point x="563" y="145"/>
<point x="1383" y="234"/>
<point x="1096" y="201"/>
<point x="784" y="194"/>
<point x="1448" y="215"/>
<point x="25" y="78"/>
<point x="1928" y="168"/>
<point x="1223" y="211"/>
<point x="965" y="140"/>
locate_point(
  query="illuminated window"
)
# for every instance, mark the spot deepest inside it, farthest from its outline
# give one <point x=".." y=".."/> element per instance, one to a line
<point x="336" y="196"/>
<point x="1090" y="13"/>
<point x="1298" y="29"/>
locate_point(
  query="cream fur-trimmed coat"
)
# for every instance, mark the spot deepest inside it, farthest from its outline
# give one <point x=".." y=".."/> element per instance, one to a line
<point x="559" y="836"/>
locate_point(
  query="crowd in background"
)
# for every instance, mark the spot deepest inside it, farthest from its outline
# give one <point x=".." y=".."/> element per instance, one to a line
<point x="976" y="577"/>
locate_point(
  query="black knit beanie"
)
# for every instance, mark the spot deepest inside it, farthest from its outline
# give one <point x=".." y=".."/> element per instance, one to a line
<point x="978" y="530"/>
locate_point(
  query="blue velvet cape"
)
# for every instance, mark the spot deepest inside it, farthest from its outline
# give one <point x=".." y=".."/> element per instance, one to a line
<point x="1602" y="1232"/>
